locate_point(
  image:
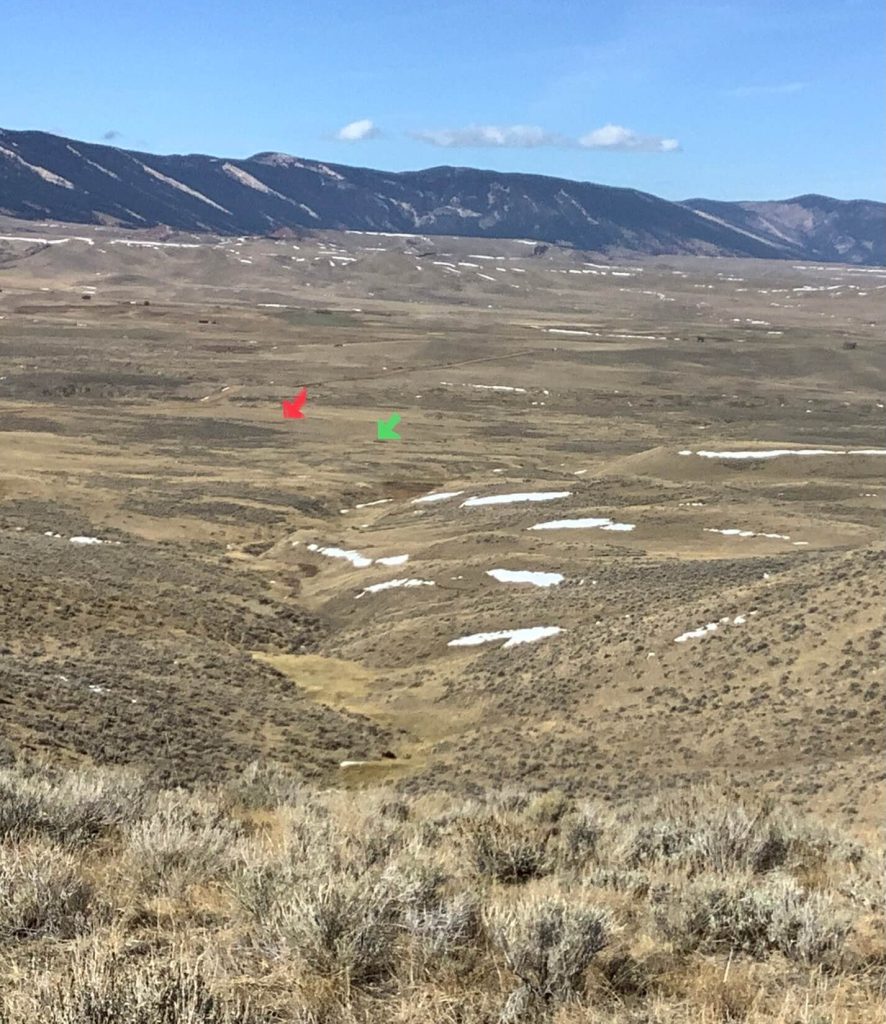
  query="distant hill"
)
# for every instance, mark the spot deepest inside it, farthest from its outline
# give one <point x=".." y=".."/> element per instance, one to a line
<point x="44" y="176"/>
<point x="817" y="227"/>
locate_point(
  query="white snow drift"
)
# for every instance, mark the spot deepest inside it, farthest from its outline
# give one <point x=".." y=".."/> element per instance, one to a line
<point x="437" y="496"/>
<point x="512" y="637"/>
<point x="508" y="499"/>
<point x="392" y="584"/>
<point x="538" y="579"/>
<point x="778" y="452"/>
<point x="710" y="627"/>
<point x="584" y="524"/>
<point x="393" y="560"/>
<point x="81" y="540"/>
<point x="355" y="558"/>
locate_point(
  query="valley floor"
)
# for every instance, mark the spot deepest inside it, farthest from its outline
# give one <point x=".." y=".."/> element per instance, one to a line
<point x="667" y="478"/>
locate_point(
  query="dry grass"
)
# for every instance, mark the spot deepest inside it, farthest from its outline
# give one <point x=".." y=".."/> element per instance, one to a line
<point x="122" y="905"/>
<point x="212" y="635"/>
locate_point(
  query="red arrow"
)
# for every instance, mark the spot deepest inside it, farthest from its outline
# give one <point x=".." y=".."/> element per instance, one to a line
<point x="292" y="410"/>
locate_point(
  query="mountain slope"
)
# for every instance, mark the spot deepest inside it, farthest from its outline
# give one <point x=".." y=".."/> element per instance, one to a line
<point x="818" y="227"/>
<point x="45" y="176"/>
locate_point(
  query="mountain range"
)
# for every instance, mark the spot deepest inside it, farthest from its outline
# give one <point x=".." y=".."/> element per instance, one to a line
<point x="48" y="177"/>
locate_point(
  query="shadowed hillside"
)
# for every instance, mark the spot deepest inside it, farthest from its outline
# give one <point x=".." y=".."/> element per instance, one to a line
<point x="45" y="176"/>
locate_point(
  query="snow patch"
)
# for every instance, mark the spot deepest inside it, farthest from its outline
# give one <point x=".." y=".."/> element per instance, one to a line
<point x="538" y="579"/>
<point x="512" y="637"/>
<point x="483" y="387"/>
<point x="391" y="584"/>
<point x="710" y="627"/>
<point x="747" y="533"/>
<point x="155" y="245"/>
<point x="437" y="496"/>
<point x="45" y="241"/>
<point x="778" y="452"/>
<point x="585" y="524"/>
<point x="393" y="560"/>
<point x="508" y="499"/>
<point x="354" y="557"/>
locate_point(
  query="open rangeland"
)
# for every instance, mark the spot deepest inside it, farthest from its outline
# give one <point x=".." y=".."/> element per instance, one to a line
<point x="625" y="555"/>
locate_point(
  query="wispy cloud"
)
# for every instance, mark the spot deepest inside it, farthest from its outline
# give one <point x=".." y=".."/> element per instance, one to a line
<point x="111" y="134"/>
<point x="527" y="136"/>
<point x="782" y="89"/>
<point x="514" y="136"/>
<point x="358" y="131"/>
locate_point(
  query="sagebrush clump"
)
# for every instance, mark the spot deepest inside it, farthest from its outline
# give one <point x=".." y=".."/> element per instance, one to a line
<point x="268" y="901"/>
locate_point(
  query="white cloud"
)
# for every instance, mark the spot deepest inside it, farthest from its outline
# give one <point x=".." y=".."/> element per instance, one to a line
<point x="357" y="131"/>
<point x="614" y="136"/>
<point x="767" y="90"/>
<point x="526" y="136"/>
<point x="514" y="136"/>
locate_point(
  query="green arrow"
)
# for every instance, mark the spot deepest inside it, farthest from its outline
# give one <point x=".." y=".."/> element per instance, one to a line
<point x="386" y="430"/>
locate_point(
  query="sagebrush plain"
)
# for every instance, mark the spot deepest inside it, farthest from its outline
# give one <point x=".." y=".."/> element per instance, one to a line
<point x="240" y="741"/>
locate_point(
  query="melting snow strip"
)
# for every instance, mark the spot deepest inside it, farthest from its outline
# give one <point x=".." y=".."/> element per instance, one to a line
<point x="777" y="452"/>
<point x="391" y="584"/>
<point x="155" y="245"/>
<point x="584" y="524"/>
<point x="711" y="627"/>
<point x="507" y="499"/>
<point x="438" y="496"/>
<point x="747" y="533"/>
<point x="82" y="540"/>
<point x="356" y="559"/>
<point x="538" y="579"/>
<point x="513" y="637"/>
<point x="45" y="241"/>
<point x="484" y="387"/>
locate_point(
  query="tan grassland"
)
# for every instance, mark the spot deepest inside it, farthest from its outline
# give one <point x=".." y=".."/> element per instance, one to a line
<point x="229" y="755"/>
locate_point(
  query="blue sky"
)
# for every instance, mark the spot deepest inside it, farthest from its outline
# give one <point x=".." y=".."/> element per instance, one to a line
<point x="741" y="99"/>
